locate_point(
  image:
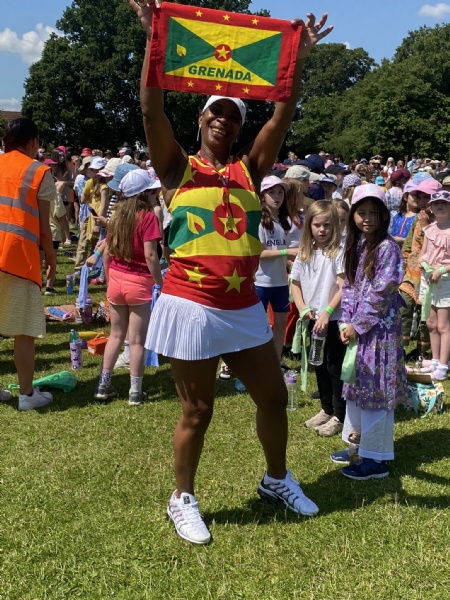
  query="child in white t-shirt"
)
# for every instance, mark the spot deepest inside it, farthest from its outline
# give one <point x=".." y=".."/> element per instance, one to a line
<point x="317" y="276"/>
<point x="271" y="277"/>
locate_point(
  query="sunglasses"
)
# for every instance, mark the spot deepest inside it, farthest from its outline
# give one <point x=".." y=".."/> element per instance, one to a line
<point x="440" y="196"/>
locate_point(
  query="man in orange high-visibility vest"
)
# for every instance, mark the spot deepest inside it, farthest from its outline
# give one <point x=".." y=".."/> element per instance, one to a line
<point x="26" y="189"/>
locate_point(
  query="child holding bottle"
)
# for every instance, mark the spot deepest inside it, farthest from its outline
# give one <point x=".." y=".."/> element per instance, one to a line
<point x="317" y="278"/>
<point x="371" y="318"/>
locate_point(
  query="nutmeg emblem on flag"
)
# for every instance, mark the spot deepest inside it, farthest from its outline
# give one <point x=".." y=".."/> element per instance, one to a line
<point x="209" y="51"/>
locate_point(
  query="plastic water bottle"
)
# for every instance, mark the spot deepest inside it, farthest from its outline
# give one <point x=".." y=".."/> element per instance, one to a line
<point x="78" y="315"/>
<point x="291" y="384"/>
<point x="69" y="285"/>
<point x="87" y="313"/>
<point x="316" y="349"/>
<point x="76" y="357"/>
<point x="414" y="325"/>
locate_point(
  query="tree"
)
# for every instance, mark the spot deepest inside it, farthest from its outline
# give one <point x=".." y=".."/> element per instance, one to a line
<point x="85" y="89"/>
<point x="330" y="72"/>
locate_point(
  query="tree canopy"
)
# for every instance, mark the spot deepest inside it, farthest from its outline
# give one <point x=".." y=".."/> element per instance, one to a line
<point x="85" y="89"/>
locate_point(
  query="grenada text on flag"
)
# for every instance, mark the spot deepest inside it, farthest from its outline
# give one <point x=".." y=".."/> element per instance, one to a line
<point x="212" y="51"/>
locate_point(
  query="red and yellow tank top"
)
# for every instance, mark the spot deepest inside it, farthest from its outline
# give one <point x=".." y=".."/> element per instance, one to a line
<point x="214" y="236"/>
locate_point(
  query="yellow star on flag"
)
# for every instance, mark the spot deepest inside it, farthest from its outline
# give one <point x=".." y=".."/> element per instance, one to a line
<point x="199" y="13"/>
<point x="255" y="21"/>
<point x="190" y="84"/>
<point x="234" y="282"/>
<point x="195" y="276"/>
<point x="226" y="17"/>
<point x="222" y="52"/>
<point x="246" y="90"/>
<point x="218" y="87"/>
<point x="227" y="221"/>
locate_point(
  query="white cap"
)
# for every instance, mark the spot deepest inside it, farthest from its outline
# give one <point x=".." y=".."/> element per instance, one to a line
<point x="237" y="101"/>
<point x="97" y="162"/>
<point x="137" y="181"/>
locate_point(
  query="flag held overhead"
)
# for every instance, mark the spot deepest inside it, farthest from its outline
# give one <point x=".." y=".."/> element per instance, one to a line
<point x="209" y="51"/>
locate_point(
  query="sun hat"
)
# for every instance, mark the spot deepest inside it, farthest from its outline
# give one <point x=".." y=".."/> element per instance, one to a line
<point x="110" y="168"/>
<point x="337" y="169"/>
<point x="315" y="162"/>
<point x="237" y="101"/>
<point x="49" y="162"/>
<point x="86" y="152"/>
<point x="271" y="181"/>
<point x="352" y="180"/>
<point x="98" y="163"/>
<point x="123" y="150"/>
<point x="135" y="182"/>
<point x="440" y="196"/>
<point x="329" y="179"/>
<point x="422" y="176"/>
<point x="446" y="180"/>
<point x="63" y="149"/>
<point x="86" y="161"/>
<point x="363" y="161"/>
<point x="400" y="174"/>
<point x="119" y="174"/>
<point x="126" y="158"/>
<point x="429" y="186"/>
<point x="370" y="190"/>
<point x="411" y="186"/>
<point x="301" y="172"/>
<point x="380" y="180"/>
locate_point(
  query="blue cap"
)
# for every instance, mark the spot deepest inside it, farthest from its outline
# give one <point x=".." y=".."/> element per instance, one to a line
<point x="119" y="174"/>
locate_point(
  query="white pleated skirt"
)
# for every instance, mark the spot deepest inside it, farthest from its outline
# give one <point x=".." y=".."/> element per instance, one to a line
<point x="186" y="330"/>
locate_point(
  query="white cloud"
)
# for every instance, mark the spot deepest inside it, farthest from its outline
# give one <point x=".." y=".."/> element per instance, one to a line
<point x="10" y="104"/>
<point x="437" y="11"/>
<point x="29" y="47"/>
<point x="348" y="45"/>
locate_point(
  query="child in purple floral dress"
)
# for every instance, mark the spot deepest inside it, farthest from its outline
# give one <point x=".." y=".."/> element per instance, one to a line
<point x="371" y="318"/>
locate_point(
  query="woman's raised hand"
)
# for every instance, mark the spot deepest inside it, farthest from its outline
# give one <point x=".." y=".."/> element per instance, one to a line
<point x="144" y="10"/>
<point x="311" y="33"/>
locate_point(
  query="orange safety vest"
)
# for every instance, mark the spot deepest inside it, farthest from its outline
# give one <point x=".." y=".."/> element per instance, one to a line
<point x="20" y="178"/>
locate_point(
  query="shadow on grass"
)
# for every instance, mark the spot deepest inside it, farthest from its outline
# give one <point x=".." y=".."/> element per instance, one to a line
<point x="335" y="493"/>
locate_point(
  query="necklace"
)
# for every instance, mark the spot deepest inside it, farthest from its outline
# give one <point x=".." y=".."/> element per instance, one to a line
<point x="224" y="179"/>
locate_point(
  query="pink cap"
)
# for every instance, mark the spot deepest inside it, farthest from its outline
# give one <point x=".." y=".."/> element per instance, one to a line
<point x="368" y="190"/>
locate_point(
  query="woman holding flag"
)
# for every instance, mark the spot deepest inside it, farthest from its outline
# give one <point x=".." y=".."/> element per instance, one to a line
<point x="209" y="308"/>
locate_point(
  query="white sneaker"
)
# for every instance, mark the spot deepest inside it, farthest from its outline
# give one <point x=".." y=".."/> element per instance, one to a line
<point x="317" y="420"/>
<point x="289" y="492"/>
<point x="36" y="400"/>
<point x="122" y="362"/>
<point x="5" y="395"/>
<point x="187" y="518"/>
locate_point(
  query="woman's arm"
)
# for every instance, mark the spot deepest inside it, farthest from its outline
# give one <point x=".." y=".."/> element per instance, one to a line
<point x="260" y="155"/>
<point x="168" y="158"/>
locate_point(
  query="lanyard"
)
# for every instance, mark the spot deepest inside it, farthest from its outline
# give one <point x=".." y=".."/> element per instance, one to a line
<point x="224" y="180"/>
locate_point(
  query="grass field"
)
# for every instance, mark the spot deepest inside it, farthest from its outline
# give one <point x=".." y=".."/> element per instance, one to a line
<point x="84" y="488"/>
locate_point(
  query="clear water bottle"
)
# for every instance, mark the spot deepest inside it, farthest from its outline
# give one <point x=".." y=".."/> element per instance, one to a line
<point x="76" y="357"/>
<point x="69" y="285"/>
<point x="291" y="385"/>
<point x="87" y="311"/>
<point x="316" y="349"/>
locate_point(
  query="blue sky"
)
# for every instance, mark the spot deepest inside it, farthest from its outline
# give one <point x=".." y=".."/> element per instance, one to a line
<point x="378" y="27"/>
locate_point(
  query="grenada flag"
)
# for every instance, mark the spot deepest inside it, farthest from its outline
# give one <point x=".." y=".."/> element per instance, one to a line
<point x="217" y="52"/>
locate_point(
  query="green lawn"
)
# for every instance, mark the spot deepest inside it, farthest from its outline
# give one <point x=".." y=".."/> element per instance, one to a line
<point x="84" y="488"/>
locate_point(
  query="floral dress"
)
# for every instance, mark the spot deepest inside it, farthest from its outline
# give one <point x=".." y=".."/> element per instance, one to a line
<point x="372" y="306"/>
